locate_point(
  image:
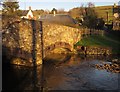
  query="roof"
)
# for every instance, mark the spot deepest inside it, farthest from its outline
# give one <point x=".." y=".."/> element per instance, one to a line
<point x="59" y="19"/>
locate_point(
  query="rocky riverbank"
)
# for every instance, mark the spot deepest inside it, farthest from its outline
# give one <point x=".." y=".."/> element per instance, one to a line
<point x="111" y="66"/>
<point x="94" y="50"/>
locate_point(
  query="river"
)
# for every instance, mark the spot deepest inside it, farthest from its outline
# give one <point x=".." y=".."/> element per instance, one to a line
<point x="62" y="72"/>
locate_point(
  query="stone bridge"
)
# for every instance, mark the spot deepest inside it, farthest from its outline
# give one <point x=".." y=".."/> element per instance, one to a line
<point x="17" y="40"/>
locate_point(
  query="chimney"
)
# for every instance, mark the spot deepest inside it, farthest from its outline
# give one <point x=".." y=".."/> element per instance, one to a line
<point x="29" y="7"/>
<point x="54" y="13"/>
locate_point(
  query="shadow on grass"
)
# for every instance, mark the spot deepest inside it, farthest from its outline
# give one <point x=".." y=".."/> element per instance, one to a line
<point x="96" y="40"/>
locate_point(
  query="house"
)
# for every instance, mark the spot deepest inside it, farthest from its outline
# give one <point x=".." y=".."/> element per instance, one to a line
<point x="29" y="14"/>
<point x="116" y="14"/>
<point x="116" y="25"/>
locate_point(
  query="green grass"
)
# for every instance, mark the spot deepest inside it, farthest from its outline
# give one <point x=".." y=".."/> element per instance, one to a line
<point x="100" y="41"/>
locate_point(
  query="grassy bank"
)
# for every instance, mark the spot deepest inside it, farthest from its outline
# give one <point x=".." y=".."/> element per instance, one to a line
<point x="101" y="41"/>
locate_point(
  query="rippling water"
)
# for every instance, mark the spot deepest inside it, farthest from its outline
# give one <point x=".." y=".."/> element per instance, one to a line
<point x="61" y="72"/>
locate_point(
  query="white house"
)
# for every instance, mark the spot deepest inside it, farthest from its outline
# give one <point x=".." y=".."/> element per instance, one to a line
<point x="29" y="14"/>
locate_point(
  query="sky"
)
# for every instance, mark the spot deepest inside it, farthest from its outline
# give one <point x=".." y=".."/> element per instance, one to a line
<point x="58" y="5"/>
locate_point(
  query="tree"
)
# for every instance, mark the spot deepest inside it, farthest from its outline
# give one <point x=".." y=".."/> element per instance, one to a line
<point x="90" y="16"/>
<point x="10" y="8"/>
<point x="53" y="10"/>
<point x="75" y="12"/>
<point x="100" y="23"/>
<point x="78" y="13"/>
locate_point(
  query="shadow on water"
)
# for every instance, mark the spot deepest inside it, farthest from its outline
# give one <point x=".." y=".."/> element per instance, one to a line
<point x="61" y="72"/>
<point x="28" y="78"/>
<point x="20" y="77"/>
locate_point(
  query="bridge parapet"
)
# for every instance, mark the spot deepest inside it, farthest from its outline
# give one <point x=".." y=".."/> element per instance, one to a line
<point x="19" y="35"/>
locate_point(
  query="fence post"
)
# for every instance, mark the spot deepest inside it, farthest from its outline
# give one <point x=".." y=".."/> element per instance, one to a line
<point x="102" y="32"/>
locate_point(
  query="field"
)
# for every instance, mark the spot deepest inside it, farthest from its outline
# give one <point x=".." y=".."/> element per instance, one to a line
<point x="102" y="12"/>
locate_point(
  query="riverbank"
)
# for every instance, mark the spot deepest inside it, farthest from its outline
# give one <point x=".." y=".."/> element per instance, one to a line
<point x="107" y="41"/>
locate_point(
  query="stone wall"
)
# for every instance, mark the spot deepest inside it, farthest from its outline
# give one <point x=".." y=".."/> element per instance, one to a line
<point x="17" y="40"/>
<point x="116" y="25"/>
<point x="98" y="50"/>
<point x="94" y="50"/>
<point x="54" y="33"/>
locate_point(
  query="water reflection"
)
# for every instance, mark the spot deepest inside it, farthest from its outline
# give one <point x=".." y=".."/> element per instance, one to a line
<point x="61" y="72"/>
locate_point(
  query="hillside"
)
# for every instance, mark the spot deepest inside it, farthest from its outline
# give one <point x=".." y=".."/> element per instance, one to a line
<point x="102" y="12"/>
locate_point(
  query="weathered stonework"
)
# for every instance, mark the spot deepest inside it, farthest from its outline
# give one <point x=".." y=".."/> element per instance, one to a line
<point x="63" y="36"/>
<point x="17" y="40"/>
<point x="116" y="25"/>
<point x="94" y="50"/>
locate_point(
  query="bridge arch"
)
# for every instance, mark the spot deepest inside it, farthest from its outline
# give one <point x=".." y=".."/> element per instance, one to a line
<point x="63" y="45"/>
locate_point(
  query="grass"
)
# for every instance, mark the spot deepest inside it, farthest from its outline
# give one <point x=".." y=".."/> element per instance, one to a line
<point x="101" y="41"/>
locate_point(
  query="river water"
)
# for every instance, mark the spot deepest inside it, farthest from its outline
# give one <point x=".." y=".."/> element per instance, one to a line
<point x="62" y="72"/>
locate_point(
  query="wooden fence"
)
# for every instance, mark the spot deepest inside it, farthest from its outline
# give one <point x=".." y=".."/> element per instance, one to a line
<point x="86" y="32"/>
